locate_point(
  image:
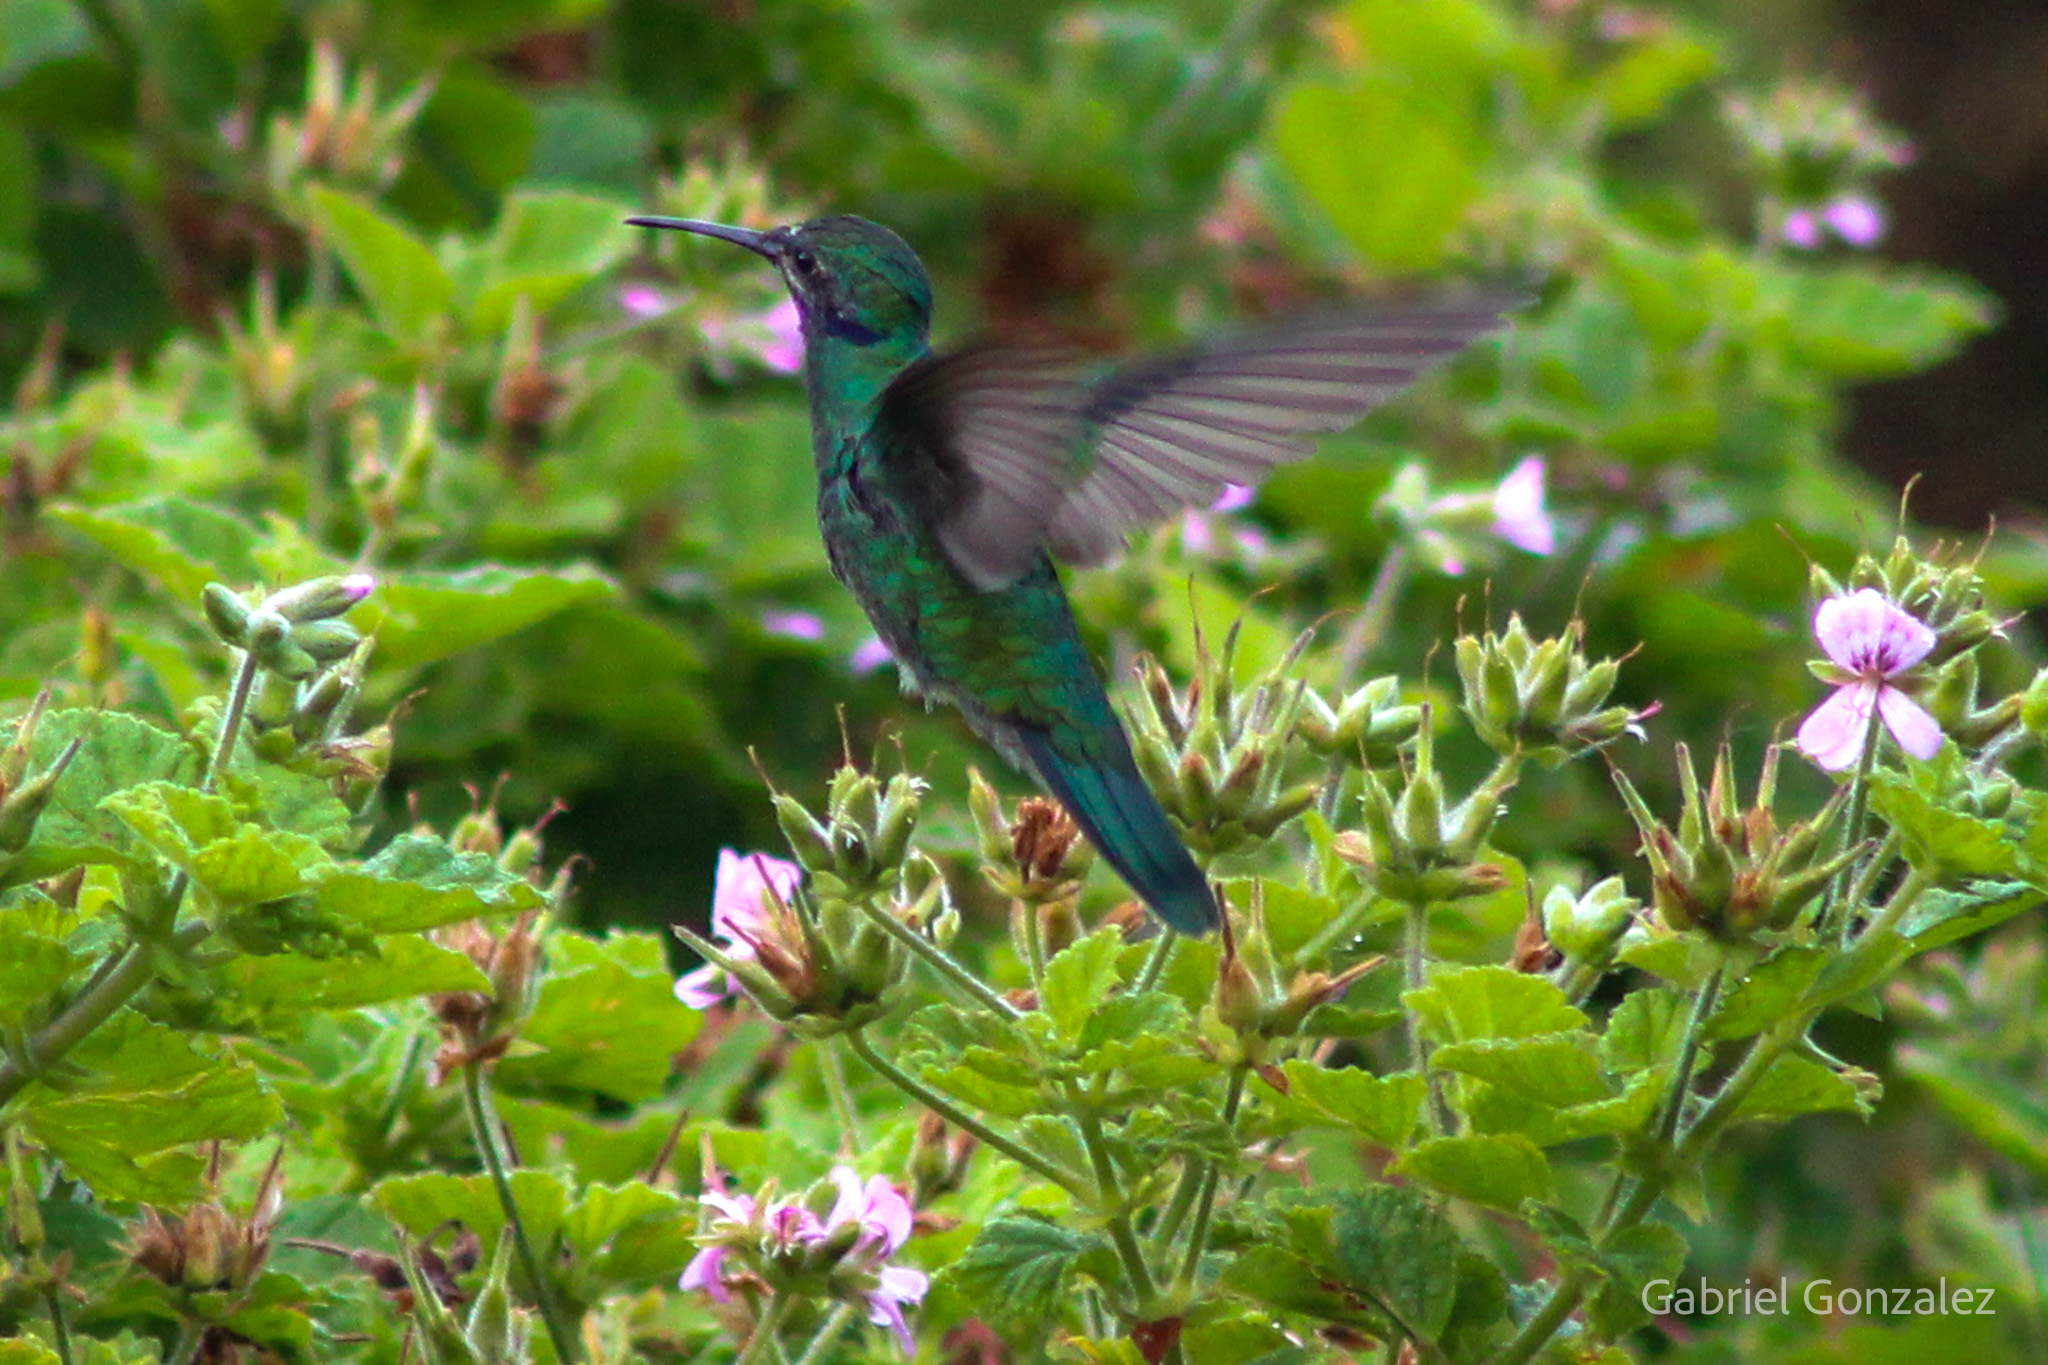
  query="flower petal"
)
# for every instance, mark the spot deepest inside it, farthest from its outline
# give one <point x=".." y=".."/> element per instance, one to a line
<point x="897" y="1286"/>
<point x="1518" y="514"/>
<point x="739" y="899"/>
<point x="703" y="1273"/>
<point x="1918" y="733"/>
<point x="1865" y="632"/>
<point x="1833" y="735"/>
<point x="705" y="987"/>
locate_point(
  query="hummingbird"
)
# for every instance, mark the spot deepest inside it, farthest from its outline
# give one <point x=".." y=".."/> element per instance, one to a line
<point x="950" y="483"/>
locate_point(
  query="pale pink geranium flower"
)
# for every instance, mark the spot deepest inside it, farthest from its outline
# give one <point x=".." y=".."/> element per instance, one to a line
<point x="774" y="336"/>
<point x="743" y="901"/>
<point x="884" y="1217"/>
<point x="1869" y="641"/>
<point x="869" y="655"/>
<point x="785" y="1237"/>
<point x="1856" y="220"/>
<point x="1519" y="516"/>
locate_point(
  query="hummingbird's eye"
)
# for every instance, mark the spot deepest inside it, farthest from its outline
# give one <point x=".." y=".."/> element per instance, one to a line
<point x="806" y="264"/>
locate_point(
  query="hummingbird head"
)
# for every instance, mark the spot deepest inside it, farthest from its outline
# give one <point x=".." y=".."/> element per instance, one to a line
<point x="853" y="280"/>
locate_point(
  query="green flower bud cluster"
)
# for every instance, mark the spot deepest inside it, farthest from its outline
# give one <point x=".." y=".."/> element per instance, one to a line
<point x="210" y="1248"/>
<point x="311" y="666"/>
<point x="25" y="795"/>
<point x="1418" y="848"/>
<point x="1812" y="142"/>
<point x="1728" y="871"/>
<point x="268" y="364"/>
<point x="1371" y="725"/>
<point x="1541" y="698"/>
<point x="1260" y="1000"/>
<point x="862" y="843"/>
<point x="1217" y="755"/>
<point x="385" y="487"/>
<point x="493" y="1334"/>
<point x="1587" y="927"/>
<point x="345" y="133"/>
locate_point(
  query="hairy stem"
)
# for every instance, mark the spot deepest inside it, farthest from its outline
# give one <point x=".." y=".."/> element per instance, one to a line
<point x="832" y="1068"/>
<point x="60" y="1327"/>
<point x="821" y="1345"/>
<point x="1198" y="1235"/>
<point x="1839" y="913"/>
<point x="478" y="1105"/>
<point x="960" y="1118"/>
<point x="762" y="1343"/>
<point x="1109" y="1198"/>
<point x="938" y="959"/>
<point x="1155" y="961"/>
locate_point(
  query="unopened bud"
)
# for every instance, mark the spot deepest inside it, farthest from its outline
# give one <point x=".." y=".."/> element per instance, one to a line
<point x="226" y="613"/>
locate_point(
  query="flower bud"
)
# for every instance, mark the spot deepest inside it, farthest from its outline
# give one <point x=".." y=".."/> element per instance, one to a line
<point x="327" y="641"/>
<point x="320" y="598"/>
<point x="23" y="805"/>
<point x="226" y="613"/>
<point x="1543" y="699"/>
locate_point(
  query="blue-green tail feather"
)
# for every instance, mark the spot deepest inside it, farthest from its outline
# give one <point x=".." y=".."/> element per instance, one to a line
<point x="1121" y="817"/>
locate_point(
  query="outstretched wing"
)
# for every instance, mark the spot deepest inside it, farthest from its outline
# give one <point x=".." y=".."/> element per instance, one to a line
<point x="1039" y="458"/>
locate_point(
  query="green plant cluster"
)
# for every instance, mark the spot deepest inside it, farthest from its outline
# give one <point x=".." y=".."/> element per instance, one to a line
<point x="359" y="453"/>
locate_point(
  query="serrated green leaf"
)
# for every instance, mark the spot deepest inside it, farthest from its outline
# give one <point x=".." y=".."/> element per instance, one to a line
<point x="605" y="1021"/>
<point x="1391" y="174"/>
<point x="1500" y="1170"/>
<point x="1383" y="1108"/>
<point x="602" y="1212"/>
<point x="1557" y="1069"/>
<point x="405" y="966"/>
<point x="1945" y="914"/>
<point x="1479" y="1314"/>
<point x="33" y="968"/>
<point x="178" y="544"/>
<point x="406" y="288"/>
<point x="1017" y="1271"/>
<point x="1946" y="843"/>
<point x="420" y="1204"/>
<point x="547" y="245"/>
<point x="1767" y="993"/>
<point x="420" y="882"/>
<point x="1857" y="322"/>
<point x="1644" y="1030"/>
<point x="1797" y="1085"/>
<point x="119" y="751"/>
<point x="1077" y="982"/>
<point x="107" y="1137"/>
<point x="1461" y="1004"/>
<point x="1391" y="1243"/>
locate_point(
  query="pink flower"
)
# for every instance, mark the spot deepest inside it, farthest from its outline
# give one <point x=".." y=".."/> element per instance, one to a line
<point x="644" y="301"/>
<point x="1870" y="641"/>
<point x="744" y="899"/>
<point x="1519" y="517"/>
<point x="732" y="1214"/>
<point x="1855" y="220"/>
<point x="793" y="625"/>
<point x="774" y="336"/>
<point x="884" y="1217"/>
<point x="869" y="655"/>
<point x="1199" y="531"/>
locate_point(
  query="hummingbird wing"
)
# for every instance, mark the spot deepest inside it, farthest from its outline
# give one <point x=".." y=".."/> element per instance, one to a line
<point x="1038" y="456"/>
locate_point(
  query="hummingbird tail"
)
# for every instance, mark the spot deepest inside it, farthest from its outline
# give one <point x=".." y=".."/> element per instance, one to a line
<point x="1123" y="819"/>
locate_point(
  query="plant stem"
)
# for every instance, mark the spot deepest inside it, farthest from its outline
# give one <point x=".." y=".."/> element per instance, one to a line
<point x="842" y="1317"/>
<point x="1109" y="1198"/>
<point x="487" y="1146"/>
<point x="958" y="1117"/>
<point x="1155" y="961"/>
<point x="763" y="1336"/>
<point x="1688" y="1054"/>
<point x="59" y="1327"/>
<point x="833" y="1069"/>
<point x="1198" y="1235"/>
<point x="1370" y="627"/>
<point x="1838" y="912"/>
<point x="190" y="1333"/>
<point x="231" y="722"/>
<point x="938" y="959"/>
<point x="1415" y="959"/>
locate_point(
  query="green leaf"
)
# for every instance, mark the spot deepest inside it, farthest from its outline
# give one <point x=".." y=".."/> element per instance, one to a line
<point x="1862" y="322"/>
<point x="1077" y="982"/>
<point x="1645" y="1030"/>
<point x="105" y="1137"/>
<point x="1768" y="993"/>
<point x="33" y="967"/>
<point x="1383" y="1108"/>
<point x="1943" y="915"/>
<point x="119" y="751"/>
<point x="1639" y="85"/>
<point x="1625" y="1261"/>
<point x="1393" y="1244"/>
<point x="1464" y="1003"/>
<point x="1392" y="175"/>
<point x="1556" y="1069"/>
<point x="547" y="245"/>
<point x="2010" y="1119"/>
<point x="419" y="618"/>
<point x="1946" y="843"/>
<point x="1479" y="1323"/>
<point x="404" y="966"/>
<point x="1500" y="1170"/>
<point x="1016" y="1272"/>
<point x="607" y="1019"/>
<point x="1498" y="1110"/>
<point x="420" y="882"/>
<point x="405" y="286"/>
<point x="179" y="545"/>
<point x="1796" y="1085"/>
<point x="420" y="1204"/>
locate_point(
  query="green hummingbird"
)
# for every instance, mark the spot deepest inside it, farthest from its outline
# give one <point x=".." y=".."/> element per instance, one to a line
<point x="948" y="484"/>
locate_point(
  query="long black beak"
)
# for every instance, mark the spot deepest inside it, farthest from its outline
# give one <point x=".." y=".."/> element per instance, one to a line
<point x="756" y="242"/>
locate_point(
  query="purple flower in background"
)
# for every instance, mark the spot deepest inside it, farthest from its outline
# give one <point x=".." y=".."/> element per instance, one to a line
<point x="1235" y="497"/>
<point x="1854" y="219"/>
<point x="1869" y="642"/>
<point x="869" y="655"/>
<point x="731" y="1214"/>
<point x="774" y="337"/>
<point x="884" y="1217"/>
<point x="1204" y="532"/>
<point x="1519" y="517"/>
<point x="748" y="891"/>
<point x="793" y="625"/>
<point x="644" y="301"/>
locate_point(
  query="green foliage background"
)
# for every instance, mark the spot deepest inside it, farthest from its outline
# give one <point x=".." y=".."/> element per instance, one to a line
<point x="294" y="289"/>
